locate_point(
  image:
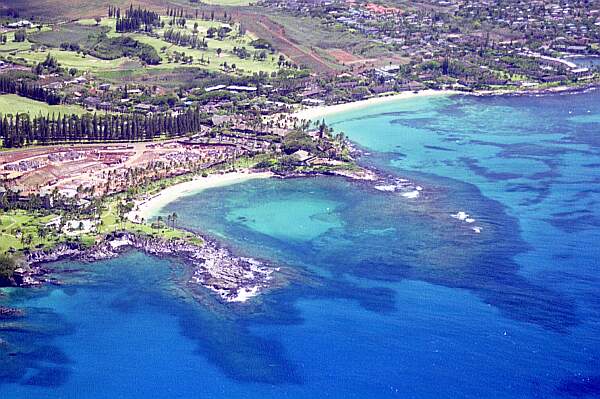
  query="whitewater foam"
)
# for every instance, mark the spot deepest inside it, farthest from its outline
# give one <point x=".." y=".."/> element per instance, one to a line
<point x="466" y="218"/>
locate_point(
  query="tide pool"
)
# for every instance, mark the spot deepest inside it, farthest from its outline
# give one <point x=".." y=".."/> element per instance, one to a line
<point x="385" y="296"/>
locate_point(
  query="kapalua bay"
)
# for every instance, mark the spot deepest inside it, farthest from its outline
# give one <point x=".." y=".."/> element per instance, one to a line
<point x="282" y="199"/>
<point x="370" y="275"/>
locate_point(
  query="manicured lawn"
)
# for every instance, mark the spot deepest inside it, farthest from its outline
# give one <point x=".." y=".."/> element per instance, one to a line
<point x="17" y="227"/>
<point x="84" y="35"/>
<point x="12" y="104"/>
<point x="70" y="59"/>
<point x="23" y="53"/>
<point x="110" y="222"/>
<point x="17" y="224"/>
<point x="243" y="66"/>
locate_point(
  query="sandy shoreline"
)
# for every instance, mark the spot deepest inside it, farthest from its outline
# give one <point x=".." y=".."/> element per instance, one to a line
<point x="148" y="207"/>
<point x="312" y="113"/>
<point x="325" y="110"/>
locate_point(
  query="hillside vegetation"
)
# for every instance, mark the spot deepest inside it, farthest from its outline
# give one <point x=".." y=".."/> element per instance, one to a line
<point x="97" y="47"/>
<point x="93" y="40"/>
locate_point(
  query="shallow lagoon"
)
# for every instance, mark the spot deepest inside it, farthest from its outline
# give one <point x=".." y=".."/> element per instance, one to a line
<point x="386" y="296"/>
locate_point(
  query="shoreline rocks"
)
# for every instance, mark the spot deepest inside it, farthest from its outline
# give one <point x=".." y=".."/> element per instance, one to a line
<point x="232" y="278"/>
<point x="537" y="91"/>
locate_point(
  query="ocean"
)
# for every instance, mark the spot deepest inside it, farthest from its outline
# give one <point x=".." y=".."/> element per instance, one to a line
<point x="472" y="272"/>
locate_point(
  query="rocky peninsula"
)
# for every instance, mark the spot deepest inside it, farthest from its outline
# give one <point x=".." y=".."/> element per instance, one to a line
<point x="233" y="278"/>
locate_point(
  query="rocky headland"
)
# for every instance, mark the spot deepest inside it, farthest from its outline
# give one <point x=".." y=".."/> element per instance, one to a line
<point x="232" y="278"/>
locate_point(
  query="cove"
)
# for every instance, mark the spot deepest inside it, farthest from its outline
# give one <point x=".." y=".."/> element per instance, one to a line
<point x="386" y="296"/>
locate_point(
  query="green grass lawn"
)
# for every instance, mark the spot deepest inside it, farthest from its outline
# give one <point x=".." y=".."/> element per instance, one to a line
<point x="17" y="224"/>
<point x="111" y="222"/>
<point x="83" y="34"/>
<point x="69" y="59"/>
<point x="12" y="104"/>
<point x="246" y="66"/>
<point x="17" y="227"/>
<point x="25" y="52"/>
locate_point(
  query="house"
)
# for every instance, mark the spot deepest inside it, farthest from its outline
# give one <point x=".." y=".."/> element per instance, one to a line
<point x="54" y="85"/>
<point x="242" y="88"/>
<point x="106" y="106"/>
<point x="144" y="108"/>
<point x="20" y="24"/>
<point x="347" y="85"/>
<point x="91" y="102"/>
<point x="577" y="49"/>
<point x="218" y="120"/>
<point x="68" y="192"/>
<point x="580" y="71"/>
<point x="214" y="88"/>
<point x="302" y="156"/>
<point x="312" y="102"/>
<point x="553" y="78"/>
<point x="384" y="88"/>
<point x="387" y="71"/>
<point x="312" y="92"/>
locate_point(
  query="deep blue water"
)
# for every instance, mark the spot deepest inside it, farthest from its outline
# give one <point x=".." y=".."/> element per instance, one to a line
<point x="385" y="296"/>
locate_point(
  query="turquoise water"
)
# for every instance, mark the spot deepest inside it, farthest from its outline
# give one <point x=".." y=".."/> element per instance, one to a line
<point x="385" y="297"/>
<point x="586" y="62"/>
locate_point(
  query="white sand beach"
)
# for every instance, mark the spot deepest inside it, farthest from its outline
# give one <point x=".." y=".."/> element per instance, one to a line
<point x="312" y="113"/>
<point x="148" y="207"/>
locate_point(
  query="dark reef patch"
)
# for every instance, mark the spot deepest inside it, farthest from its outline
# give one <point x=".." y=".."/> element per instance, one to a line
<point x="473" y="165"/>
<point x="26" y="355"/>
<point x="438" y="148"/>
<point x="581" y="387"/>
<point x="48" y="377"/>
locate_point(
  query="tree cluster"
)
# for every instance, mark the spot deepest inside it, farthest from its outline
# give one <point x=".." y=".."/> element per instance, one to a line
<point x="241" y="52"/>
<point x="21" y="130"/>
<point x="29" y="90"/>
<point x="135" y="18"/>
<point x="48" y="66"/>
<point x="114" y="12"/>
<point x="175" y="13"/>
<point x="8" y="264"/>
<point x="181" y="22"/>
<point x="20" y="35"/>
<point x="184" y="39"/>
<point x="70" y="46"/>
<point x="262" y="44"/>
<point x="297" y="140"/>
<point x="221" y="33"/>
<point x="125" y="46"/>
